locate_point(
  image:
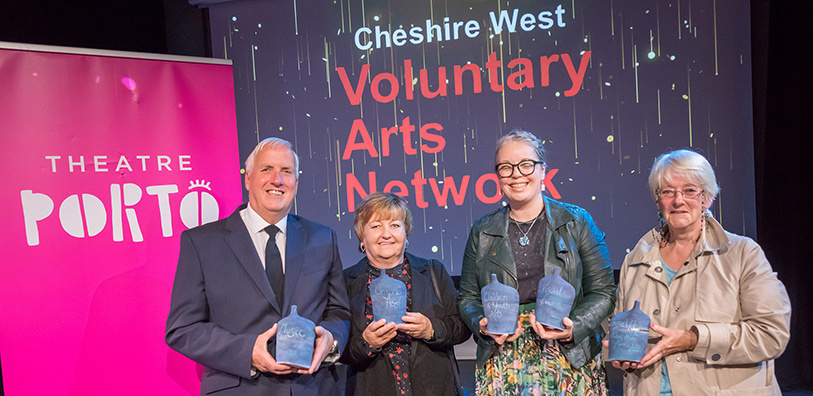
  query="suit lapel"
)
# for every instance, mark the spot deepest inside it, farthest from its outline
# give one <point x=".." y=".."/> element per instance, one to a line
<point x="296" y="241"/>
<point x="240" y="243"/>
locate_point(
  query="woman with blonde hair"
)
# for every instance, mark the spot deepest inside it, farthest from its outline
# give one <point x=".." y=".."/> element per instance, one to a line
<point x="522" y="242"/>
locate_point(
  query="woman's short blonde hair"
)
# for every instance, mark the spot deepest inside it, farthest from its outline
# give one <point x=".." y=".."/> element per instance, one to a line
<point x="687" y="165"/>
<point x="382" y="206"/>
<point x="521" y="136"/>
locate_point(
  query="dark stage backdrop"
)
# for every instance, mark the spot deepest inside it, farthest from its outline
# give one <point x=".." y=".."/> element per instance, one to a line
<point x="373" y="102"/>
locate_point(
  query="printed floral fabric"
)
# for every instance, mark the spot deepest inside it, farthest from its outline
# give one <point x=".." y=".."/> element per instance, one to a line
<point x="533" y="366"/>
<point x="398" y="350"/>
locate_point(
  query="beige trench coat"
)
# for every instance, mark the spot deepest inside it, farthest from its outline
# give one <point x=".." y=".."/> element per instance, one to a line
<point x="728" y="291"/>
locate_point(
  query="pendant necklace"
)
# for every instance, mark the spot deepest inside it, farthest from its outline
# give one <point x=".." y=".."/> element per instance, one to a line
<point x="524" y="240"/>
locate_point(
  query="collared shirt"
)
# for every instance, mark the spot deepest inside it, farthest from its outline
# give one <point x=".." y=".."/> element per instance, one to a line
<point x="256" y="229"/>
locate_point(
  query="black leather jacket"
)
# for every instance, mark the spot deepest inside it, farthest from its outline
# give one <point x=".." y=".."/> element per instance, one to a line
<point x="574" y="244"/>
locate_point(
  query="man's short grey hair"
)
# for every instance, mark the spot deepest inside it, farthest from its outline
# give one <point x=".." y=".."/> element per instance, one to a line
<point x="272" y="142"/>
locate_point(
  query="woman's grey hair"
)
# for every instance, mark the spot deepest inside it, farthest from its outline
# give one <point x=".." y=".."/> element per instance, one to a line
<point x="272" y="142"/>
<point x="687" y="165"/>
<point x="519" y="135"/>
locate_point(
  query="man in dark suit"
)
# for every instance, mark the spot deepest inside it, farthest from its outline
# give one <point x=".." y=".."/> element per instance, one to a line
<point x="228" y="293"/>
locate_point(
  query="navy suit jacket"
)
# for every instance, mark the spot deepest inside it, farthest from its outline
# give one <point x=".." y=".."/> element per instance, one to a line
<point x="222" y="300"/>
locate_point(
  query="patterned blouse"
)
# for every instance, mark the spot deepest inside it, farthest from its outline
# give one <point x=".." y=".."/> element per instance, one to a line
<point x="398" y="349"/>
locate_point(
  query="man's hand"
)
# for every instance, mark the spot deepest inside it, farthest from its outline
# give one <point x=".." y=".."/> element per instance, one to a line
<point x="549" y="333"/>
<point x="262" y="360"/>
<point x="379" y="333"/>
<point x="500" y="338"/>
<point x="324" y="342"/>
<point x="417" y="325"/>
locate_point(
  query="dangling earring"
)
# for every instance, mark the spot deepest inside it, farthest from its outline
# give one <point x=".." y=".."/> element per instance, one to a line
<point x="706" y="211"/>
<point x="661" y="222"/>
<point x="406" y="243"/>
<point x="663" y="228"/>
<point x="361" y="248"/>
<point x="702" y="225"/>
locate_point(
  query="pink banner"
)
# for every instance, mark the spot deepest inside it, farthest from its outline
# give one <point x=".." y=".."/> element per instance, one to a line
<point x="106" y="160"/>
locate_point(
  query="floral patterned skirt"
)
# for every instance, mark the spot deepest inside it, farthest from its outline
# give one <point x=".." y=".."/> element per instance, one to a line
<point x="533" y="366"/>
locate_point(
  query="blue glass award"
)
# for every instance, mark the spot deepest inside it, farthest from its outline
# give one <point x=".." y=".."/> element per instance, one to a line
<point x="295" y="336"/>
<point x="389" y="298"/>
<point x="501" y="306"/>
<point x="628" y="334"/>
<point x="554" y="299"/>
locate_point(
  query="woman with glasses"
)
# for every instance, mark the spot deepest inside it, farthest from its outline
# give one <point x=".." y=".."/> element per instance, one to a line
<point x="719" y="314"/>
<point x="521" y="243"/>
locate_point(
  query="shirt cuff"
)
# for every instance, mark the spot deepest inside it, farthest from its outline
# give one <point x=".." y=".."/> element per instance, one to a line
<point x="333" y="355"/>
<point x="712" y="342"/>
<point x="369" y="350"/>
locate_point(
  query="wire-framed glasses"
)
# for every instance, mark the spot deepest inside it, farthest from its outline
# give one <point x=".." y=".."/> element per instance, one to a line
<point x="688" y="193"/>
<point x="525" y="167"/>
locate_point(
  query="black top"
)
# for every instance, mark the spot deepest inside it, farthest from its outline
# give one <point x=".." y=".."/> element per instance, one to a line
<point x="530" y="258"/>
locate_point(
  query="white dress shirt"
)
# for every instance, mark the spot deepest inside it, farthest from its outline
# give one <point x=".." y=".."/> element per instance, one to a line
<point x="256" y="229"/>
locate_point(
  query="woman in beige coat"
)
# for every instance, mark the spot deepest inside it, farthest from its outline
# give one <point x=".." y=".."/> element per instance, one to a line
<point x="720" y="316"/>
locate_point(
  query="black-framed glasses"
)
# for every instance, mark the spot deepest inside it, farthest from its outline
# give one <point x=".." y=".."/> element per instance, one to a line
<point x="689" y="193"/>
<point x="525" y="167"/>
